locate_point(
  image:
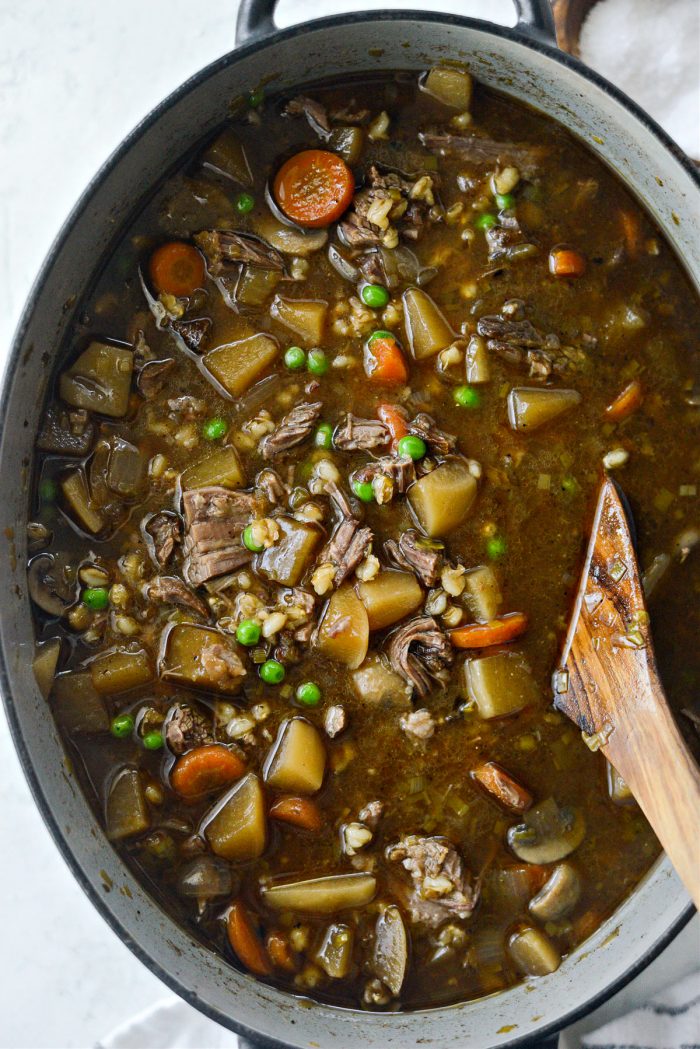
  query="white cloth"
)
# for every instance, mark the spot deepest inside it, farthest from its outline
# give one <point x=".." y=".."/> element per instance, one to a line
<point x="671" y="1020"/>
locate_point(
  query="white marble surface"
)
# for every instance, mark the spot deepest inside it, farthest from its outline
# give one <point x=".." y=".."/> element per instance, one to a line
<point x="75" y="76"/>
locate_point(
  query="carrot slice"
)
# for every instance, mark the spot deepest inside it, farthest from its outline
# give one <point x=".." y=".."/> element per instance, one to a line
<point x="501" y="786"/>
<point x="626" y="402"/>
<point x="280" y="952"/>
<point x="314" y="187"/>
<point x="384" y="362"/>
<point x="245" y="941"/>
<point x="176" y="268"/>
<point x="300" y="812"/>
<point x="497" y="632"/>
<point x="565" y="262"/>
<point x="631" y="231"/>
<point x="395" y="419"/>
<point x="205" y="769"/>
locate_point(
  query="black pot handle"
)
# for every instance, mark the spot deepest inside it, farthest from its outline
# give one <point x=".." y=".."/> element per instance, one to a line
<point x="535" y="19"/>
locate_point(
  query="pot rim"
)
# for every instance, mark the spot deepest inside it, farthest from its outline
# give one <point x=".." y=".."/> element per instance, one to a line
<point x="519" y="34"/>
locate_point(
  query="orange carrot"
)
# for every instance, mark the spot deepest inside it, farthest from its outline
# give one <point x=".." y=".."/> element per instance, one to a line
<point x="394" y="418"/>
<point x="501" y="786"/>
<point x="565" y="262"/>
<point x="314" y="187"/>
<point x="280" y="952"/>
<point x="497" y="632"/>
<point x="205" y="769"/>
<point x="586" y="925"/>
<point x="300" y="812"/>
<point x="245" y="940"/>
<point x="626" y="402"/>
<point x="176" y="268"/>
<point x="631" y="231"/>
<point x="384" y="362"/>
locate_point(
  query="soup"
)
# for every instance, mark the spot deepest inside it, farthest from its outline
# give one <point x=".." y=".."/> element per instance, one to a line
<point x="312" y="490"/>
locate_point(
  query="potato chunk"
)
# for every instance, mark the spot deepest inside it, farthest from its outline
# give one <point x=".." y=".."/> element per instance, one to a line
<point x="100" y="380"/>
<point x="74" y="488"/>
<point x="326" y="895"/>
<point x="389" y="597"/>
<point x="235" y="366"/>
<point x="201" y="658"/>
<point x="297" y="760"/>
<point x="500" y="684"/>
<point x="451" y="86"/>
<point x="343" y="633"/>
<point x="77" y="704"/>
<point x="126" y="811"/>
<point x="427" y="330"/>
<point x="442" y="499"/>
<point x="236" y="828"/>
<point x="482" y="594"/>
<point x="335" y="953"/>
<point x="532" y="407"/>
<point x="226" y="155"/>
<point x="45" y="663"/>
<point x="121" y="670"/>
<point x="305" y="317"/>
<point x="222" y="467"/>
<point x="286" y="561"/>
<point x="375" y="682"/>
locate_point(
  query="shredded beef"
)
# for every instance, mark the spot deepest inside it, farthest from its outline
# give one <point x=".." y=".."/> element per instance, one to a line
<point x="350" y="114"/>
<point x="438" y="441"/>
<point x="188" y="407"/>
<point x="346" y="548"/>
<point x="164" y="531"/>
<point x="421" y="653"/>
<point x="357" y="229"/>
<point x="520" y="333"/>
<point x="227" y="246"/>
<point x="371" y="266"/>
<point x="214" y="519"/>
<point x="291" y="430"/>
<point x="485" y="152"/>
<point x="355" y="434"/>
<point x="172" y="591"/>
<point x="517" y="341"/>
<point x="371" y="813"/>
<point x="314" y="112"/>
<point x="220" y="664"/>
<point x="152" y="376"/>
<point x="442" y="888"/>
<point x="66" y="431"/>
<point x="187" y="727"/>
<point x="272" y="486"/>
<point x="399" y="469"/>
<point x="412" y="552"/>
<point x="193" y="333"/>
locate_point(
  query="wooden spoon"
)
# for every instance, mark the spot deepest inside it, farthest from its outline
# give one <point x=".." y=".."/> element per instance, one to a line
<point x="609" y="685"/>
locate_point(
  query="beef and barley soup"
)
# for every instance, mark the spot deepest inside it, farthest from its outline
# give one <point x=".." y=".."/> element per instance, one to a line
<point x="312" y="491"/>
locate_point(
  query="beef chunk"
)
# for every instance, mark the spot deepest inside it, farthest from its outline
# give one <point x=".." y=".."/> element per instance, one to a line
<point x="418" y="723"/>
<point x="272" y="486"/>
<point x="227" y="246"/>
<point x="347" y="546"/>
<point x="517" y="341"/>
<point x="187" y="727"/>
<point x="485" y="152"/>
<point x="412" y="551"/>
<point x="371" y="266"/>
<point x="371" y="813"/>
<point x="152" y="377"/>
<point x="355" y="434"/>
<point x="214" y="519"/>
<point x="421" y="653"/>
<point x="504" y="237"/>
<point x="425" y="427"/>
<point x="442" y="889"/>
<point x="291" y="430"/>
<point x="188" y="407"/>
<point x="390" y="193"/>
<point x="66" y="431"/>
<point x="334" y="720"/>
<point x="521" y="332"/>
<point x="399" y="470"/>
<point x="164" y="531"/>
<point x="220" y="664"/>
<point x="314" y="112"/>
<point x="170" y="590"/>
<point x="193" y="333"/>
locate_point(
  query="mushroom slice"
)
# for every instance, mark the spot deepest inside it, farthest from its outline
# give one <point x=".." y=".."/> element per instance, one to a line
<point x="548" y="834"/>
<point x="49" y="584"/>
<point x="558" y="895"/>
<point x="290" y="239"/>
<point x="325" y="895"/>
<point x="390" y="949"/>
<point x="533" y="952"/>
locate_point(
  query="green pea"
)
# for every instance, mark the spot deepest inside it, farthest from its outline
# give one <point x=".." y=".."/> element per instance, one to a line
<point x="505" y="201"/>
<point x="413" y="446"/>
<point x="569" y="484"/>
<point x="256" y="98"/>
<point x="96" y="598"/>
<point x="48" y="490"/>
<point x="375" y="295"/>
<point x="249" y="540"/>
<point x="467" y="397"/>
<point x="295" y="358"/>
<point x="153" y="740"/>
<point x="317" y="362"/>
<point x="363" y="490"/>
<point x="496" y="547"/>
<point x="486" y="221"/>
<point x="122" y="726"/>
<point x="381" y="335"/>
<point x="214" y="429"/>
<point x="272" y="672"/>
<point x="323" y="438"/>
<point x="309" y="694"/>
<point x="245" y="202"/>
<point x="248" y="632"/>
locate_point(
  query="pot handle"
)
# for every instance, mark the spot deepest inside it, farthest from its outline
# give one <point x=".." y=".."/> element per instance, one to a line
<point x="256" y="20"/>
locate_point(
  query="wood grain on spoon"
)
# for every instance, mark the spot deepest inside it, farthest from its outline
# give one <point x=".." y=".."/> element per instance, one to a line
<point x="608" y="683"/>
